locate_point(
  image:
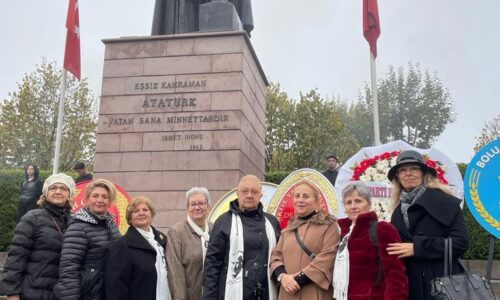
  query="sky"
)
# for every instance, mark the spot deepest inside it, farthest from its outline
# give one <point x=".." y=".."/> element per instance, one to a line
<point x="300" y="44"/>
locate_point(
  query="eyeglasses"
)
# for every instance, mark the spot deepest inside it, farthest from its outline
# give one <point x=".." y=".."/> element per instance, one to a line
<point x="252" y="192"/>
<point x="62" y="188"/>
<point x="199" y="204"/>
<point x="409" y="169"/>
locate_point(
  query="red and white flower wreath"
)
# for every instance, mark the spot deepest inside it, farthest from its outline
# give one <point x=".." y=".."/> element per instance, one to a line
<point x="376" y="168"/>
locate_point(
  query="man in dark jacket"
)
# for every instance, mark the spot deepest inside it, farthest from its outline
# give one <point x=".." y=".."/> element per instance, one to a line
<point x="331" y="173"/>
<point x="83" y="174"/>
<point x="237" y="259"/>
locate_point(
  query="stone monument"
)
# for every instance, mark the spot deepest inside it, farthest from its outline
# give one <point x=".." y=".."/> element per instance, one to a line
<point x="179" y="111"/>
<point x="183" y="16"/>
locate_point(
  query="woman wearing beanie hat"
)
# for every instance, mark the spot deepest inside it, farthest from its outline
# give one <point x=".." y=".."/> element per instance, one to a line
<point x="86" y="243"/>
<point x="32" y="266"/>
<point x="425" y="214"/>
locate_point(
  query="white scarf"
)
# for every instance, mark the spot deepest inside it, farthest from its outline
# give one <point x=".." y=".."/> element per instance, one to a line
<point x="234" y="276"/>
<point x="162" y="289"/>
<point x="203" y="234"/>
<point x="340" y="280"/>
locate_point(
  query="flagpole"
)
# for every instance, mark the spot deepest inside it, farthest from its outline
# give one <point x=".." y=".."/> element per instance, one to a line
<point x="376" y="126"/>
<point x="60" y="120"/>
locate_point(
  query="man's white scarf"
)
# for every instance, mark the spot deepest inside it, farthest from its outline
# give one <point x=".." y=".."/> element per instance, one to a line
<point x="234" y="277"/>
<point x="341" y="270"/>
<point x="162" y="289"/>
<point x="203" y="234"/>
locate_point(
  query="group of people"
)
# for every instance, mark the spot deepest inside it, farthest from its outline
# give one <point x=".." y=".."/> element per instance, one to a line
<point x="244" y="254"/>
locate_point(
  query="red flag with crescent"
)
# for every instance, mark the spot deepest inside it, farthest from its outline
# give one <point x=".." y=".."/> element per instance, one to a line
<point x="371" y="24"/>
<point x="72" y="50"/>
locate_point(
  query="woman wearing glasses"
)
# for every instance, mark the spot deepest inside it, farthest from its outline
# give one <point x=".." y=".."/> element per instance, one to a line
<point x="425" y="214"/>
<point x="187" y="242"/>
<point x="32" y="265"/>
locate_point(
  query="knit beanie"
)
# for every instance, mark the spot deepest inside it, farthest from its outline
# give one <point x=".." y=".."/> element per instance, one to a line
<point x="59" y="178"/>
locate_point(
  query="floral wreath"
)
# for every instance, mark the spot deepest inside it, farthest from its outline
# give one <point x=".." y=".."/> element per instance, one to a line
<point x="376" y="168"/>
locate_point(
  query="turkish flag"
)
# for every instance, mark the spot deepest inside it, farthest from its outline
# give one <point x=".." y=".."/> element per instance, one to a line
<point x="371" y="24"/>
<point x="72" y="51"/>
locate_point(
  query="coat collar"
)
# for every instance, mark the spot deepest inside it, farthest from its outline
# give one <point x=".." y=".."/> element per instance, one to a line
<point x="320" y="218"/>
<point x="363" y="221"/>
<point x="136" y="240"/>
<point x="234" y="207"/>
<point x="437" y="204"/>
<point x="186" y="225"/>
<point x="87" y="216"/>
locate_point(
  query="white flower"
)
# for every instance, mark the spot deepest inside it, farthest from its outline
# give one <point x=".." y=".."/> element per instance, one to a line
<point x="371" y="171"/>
<point x="382" y="165"/>
<point x="365" y="177"/>
<point x="393" y="161"/>
<point x="379" y="177"/>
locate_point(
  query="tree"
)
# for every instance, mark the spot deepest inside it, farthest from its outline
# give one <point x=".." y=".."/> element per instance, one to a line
<point x="413" y="106"/>
<point x="489" y="132"/>
<point x="28" y="120"/>
<point x="319" y="131"/>
<point x="302" y="133"/>
<point x="279" y="135"/>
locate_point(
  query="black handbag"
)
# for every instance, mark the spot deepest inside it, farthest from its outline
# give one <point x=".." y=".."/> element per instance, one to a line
<point x="464" y="286"/>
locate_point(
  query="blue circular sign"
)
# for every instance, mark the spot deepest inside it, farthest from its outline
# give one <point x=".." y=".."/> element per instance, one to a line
<point x="482" y="187"/>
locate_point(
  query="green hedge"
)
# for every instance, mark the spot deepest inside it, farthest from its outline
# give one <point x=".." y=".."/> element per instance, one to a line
<point x="276" y="177"/>
<point x="10" y="188"/>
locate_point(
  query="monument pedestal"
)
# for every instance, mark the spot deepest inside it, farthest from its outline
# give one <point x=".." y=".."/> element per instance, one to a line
<point x="180" y="111"/>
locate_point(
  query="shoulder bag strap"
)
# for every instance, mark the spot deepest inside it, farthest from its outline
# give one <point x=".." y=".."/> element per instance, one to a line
<point x="311" y="254"/>
<point x="447" y="259"/>
<point x="57" y="226"/>
<point x="374" y="238"/>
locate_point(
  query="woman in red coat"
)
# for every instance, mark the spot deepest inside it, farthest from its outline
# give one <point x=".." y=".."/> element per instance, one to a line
<point x="371" y="272"/>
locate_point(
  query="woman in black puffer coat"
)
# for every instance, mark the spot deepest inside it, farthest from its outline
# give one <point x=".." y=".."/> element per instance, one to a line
<point x="32" y="265"/>
<point x="86" y="244"/>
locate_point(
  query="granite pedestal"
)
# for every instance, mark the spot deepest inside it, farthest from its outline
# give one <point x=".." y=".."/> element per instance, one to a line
<point x="180" y="111"/>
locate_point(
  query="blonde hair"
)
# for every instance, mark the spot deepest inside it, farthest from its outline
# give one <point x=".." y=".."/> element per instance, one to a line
<point x="102" y="183"/>
<point x="134" y="203"/>
<point x="315" y="191"/>
<point x="429" y="181"/>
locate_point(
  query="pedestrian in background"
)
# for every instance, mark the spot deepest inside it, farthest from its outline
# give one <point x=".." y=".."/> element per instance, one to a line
<point x="31" y="190"/>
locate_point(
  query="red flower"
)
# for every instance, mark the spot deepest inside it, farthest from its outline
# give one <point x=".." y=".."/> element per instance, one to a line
<point x="368" y="162"/>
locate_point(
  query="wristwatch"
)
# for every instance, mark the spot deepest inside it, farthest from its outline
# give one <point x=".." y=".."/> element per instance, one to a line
<point x="279" y="277"/>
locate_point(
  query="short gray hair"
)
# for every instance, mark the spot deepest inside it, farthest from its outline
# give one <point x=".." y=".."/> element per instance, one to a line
<point x="357" y="186"/>
<point x="198" y="190"/>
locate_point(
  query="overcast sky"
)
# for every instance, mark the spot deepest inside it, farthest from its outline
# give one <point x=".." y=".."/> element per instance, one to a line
<point x="300" y="44"/>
